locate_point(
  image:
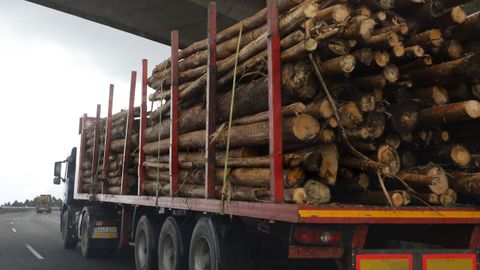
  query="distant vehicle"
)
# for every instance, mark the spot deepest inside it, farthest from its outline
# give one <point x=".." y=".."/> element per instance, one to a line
<point x="44" y="204"/>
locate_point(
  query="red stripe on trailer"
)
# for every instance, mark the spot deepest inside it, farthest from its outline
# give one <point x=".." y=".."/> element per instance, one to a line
<point x="82" y="153"/>
<point x="95" y="153"/>
<point x="274" y="103"/>
<point x="128" y="135"/>
<point x="174" y="111"/>
<point x="210" y="165"/>
<point x="427" y="257"/>
<point x="359" y="258"/>
<point x="108" y="138"/>
<point x="143" y="127"/>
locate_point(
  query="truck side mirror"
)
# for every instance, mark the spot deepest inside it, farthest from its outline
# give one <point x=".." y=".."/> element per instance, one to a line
<point x="58" y="170"/>
<point x="56" y="181"/>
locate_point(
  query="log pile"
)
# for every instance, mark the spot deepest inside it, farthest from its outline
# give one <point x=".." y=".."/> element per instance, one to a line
<point x="108" y="180"/>
<point x="380" y="106"/>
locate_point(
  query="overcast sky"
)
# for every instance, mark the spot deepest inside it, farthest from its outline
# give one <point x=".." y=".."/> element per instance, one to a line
<point x="53" y="68"/>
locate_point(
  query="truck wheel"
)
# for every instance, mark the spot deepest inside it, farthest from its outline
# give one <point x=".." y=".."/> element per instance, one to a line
<point x="145" y="245"/>
<point x="172" y="246"/>
<point x="68" y="233"/>
<point x="204" y="247"/>
<point x="86" y="245"/>
<point x="218" y="244"/>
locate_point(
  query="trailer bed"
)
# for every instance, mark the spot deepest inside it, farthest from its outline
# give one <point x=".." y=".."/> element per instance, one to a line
<point x="331" y="213"/>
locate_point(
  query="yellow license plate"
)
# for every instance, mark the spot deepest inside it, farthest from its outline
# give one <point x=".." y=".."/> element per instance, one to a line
<point x="105" y="233"/>
<point x="449" y="262"/>
<point x="384" y="262"/>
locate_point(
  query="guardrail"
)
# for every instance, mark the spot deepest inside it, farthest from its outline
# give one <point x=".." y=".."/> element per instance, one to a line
<point x="11" y="209"/>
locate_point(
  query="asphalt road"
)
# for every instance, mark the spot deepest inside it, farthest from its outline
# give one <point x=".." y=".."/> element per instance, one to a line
<point x="32" y="241"/>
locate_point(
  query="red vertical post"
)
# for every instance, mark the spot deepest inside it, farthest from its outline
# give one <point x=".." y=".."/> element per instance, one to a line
<point x="108" y="138"/>
<point x="210" y="165"/>
<point x="125" y="226"/>
<point x="274" y="103"/>
<point x="82" y="153"/>
<point x="96" y="148"/>
<point x="143" y="127"/>
<point x="174" y="111"/>
<point x="128" y="135"/>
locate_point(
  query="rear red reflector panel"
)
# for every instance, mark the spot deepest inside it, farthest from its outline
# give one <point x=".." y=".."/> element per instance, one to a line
<point x="449" y="262"/>
<point x="384" y="262"/>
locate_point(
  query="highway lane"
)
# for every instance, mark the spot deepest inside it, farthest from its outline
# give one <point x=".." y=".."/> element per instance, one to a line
<point x="32" y="241"/>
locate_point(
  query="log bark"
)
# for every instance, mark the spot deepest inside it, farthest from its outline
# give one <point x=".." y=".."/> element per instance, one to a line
<point x="249" y="23"/>
<point x="464" y="67"/>
<point x="339" y="65"/>
<point x="359" y="28"/>
<point x="295" y="129"/>
<point x="466" y="183"/>
<point x="431" y="177"/>
<point x="287" y="111"/>
<point x="399" y="198"/>
<point x="449" y="113"/>
<point x="428" y="39"/>
<point x="430" y="96"/>
<point x="448" y="154"/>
<point x="469" y="29"/>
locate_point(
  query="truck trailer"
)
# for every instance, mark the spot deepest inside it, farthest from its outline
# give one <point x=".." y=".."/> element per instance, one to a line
<point x="171" y="230"/>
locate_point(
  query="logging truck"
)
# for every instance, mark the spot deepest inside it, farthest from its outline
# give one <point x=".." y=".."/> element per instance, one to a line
<point x="334" y="164"/>
<point x="44" y="204"/>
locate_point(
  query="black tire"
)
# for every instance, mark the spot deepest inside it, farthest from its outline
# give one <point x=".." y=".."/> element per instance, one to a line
<point x="69" y="240"/>
<point x="172" y="246"/>
<point x="86" y="245"/>
<point x="218" y="244"/>
<point x="204" y="247"/>
<point x="145" y="245"/>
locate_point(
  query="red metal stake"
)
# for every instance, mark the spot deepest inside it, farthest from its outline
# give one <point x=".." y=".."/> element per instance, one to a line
<point x="125" y="226"/>
<point x="128" y="135"/>
<point x="475" y="238"/>
<point x="108" y="138"/>
<point x="96" y="142"/>
<point x="274" y="103"/>
<point x="210" y="165"/>
<point x="83" y="123"/>
<point x="174" y="116"/>
<point x="143" y="127"/>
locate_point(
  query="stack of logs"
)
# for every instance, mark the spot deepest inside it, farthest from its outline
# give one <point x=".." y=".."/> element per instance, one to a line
<point x="108" y="180"/>
<point x="380" y="106"/>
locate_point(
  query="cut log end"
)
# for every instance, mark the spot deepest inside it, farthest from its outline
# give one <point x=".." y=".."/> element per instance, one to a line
<point x="317" y="193"/>
<point x="305" y="127"/>
<point x="472" y="108"/>
<point x="460" y="155"/>
<point x="391" y="73"/>
<point x="400" y="198"/>
<point x="388" y="156"/>
<point x="458" y="14"/>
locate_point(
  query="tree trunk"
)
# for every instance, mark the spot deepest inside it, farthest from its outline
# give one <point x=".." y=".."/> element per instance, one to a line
<point x="295" y="129"/>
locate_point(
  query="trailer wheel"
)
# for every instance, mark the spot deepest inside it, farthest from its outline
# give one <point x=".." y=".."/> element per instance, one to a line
<point x="69" y="239"/>
<point x="86" y="245"/>
<point x="172" y="247"/>
<point x="218" y="243"/>
<point x="145" y="245"/>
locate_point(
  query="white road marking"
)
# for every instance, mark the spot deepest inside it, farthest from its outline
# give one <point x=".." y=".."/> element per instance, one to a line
<point x="13" y="229"/>
<point x="11" y="222"/>
<point x="34" y="252"/>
